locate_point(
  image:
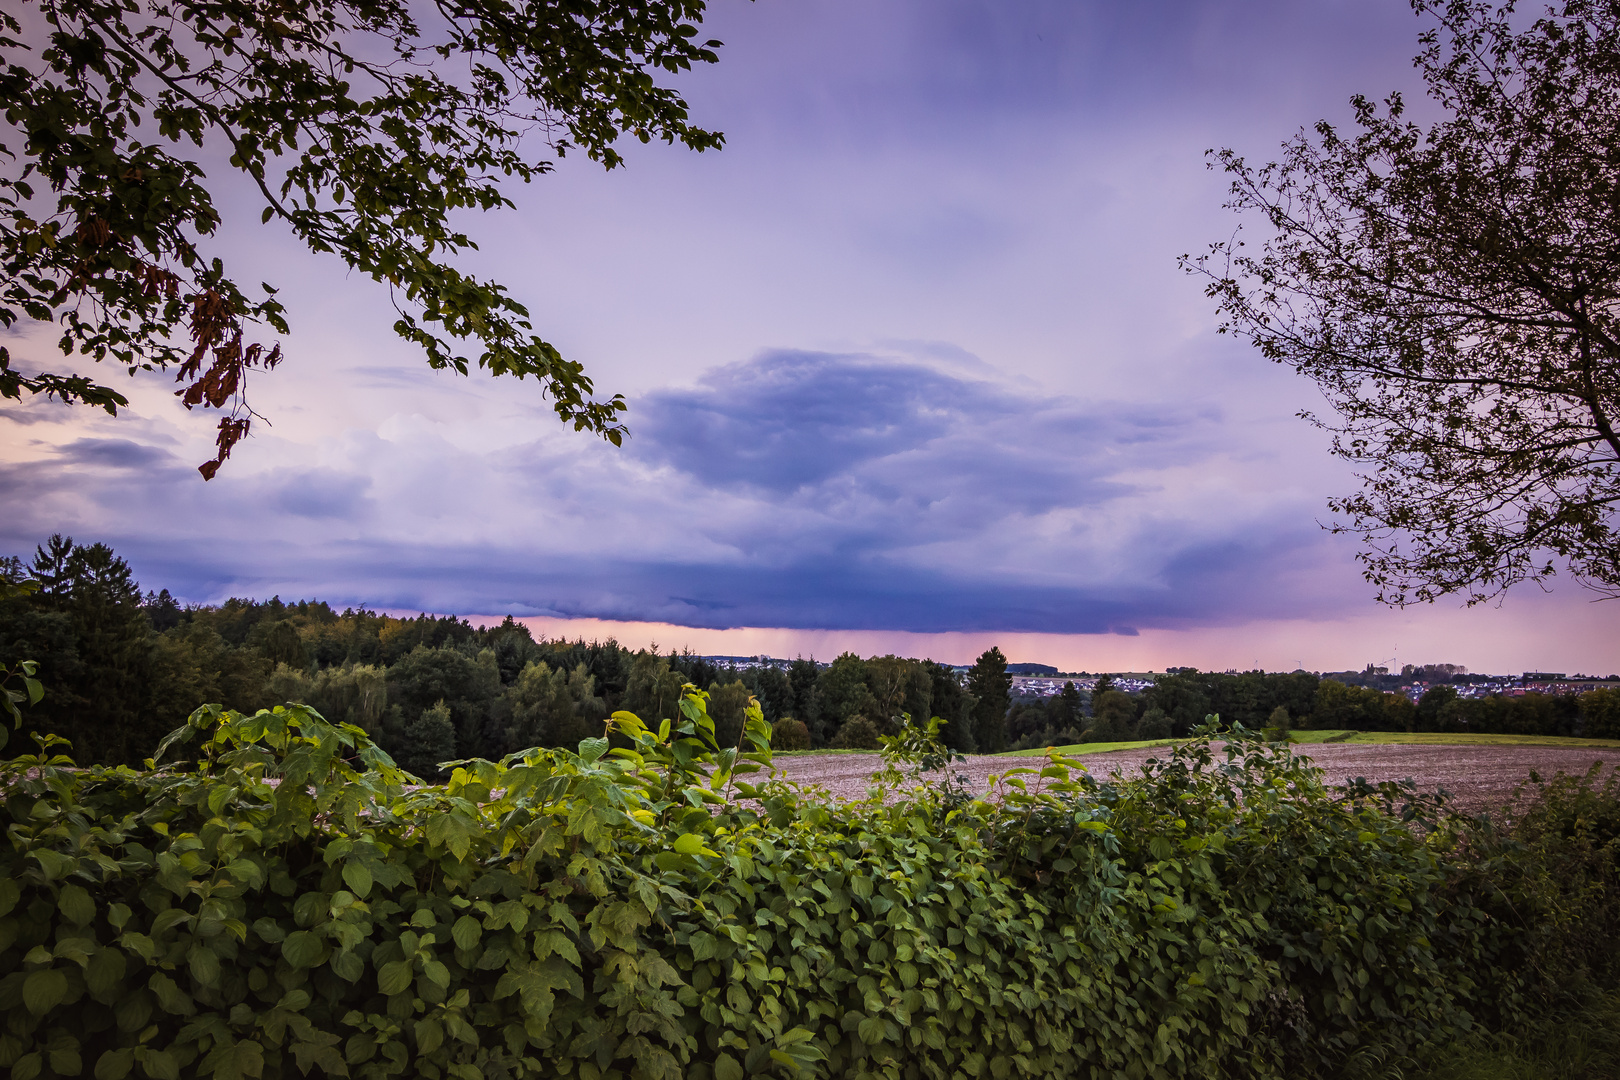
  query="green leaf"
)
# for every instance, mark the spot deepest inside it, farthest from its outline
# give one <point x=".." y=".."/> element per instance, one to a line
<point x="358" y="878"/>
<point x="233" y="1061"/>
<point x="466" y="932"/>
<point x="27" y="1067"/>
<point x="871" y="1030"/>
<point x="171" y="997"/>
<point x="394" y="977"/>
<point x="691" y="844"/>
<point x="44" y="990"/>
<point x="348" y="966"/>
<point x="75" y="905"/>
<point x="115" y="1064"/>
<point x="429" y="1036"/>
<point x="270" y="931"/>
<point x="204" y="964"/>
<point x="160" y="1065"/>
<point x="303" y="949"/>
<point x="104" y="972"/>
<point x="727" y="1067"/>
<point x="453" y="831"/>
<point x="65" y="1061"/>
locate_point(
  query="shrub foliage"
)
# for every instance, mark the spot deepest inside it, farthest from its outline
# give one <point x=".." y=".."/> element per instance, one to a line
<point x="284" y="900"/>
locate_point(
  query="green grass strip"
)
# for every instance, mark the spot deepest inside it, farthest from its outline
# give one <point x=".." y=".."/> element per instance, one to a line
<point x="1376" y="738"/>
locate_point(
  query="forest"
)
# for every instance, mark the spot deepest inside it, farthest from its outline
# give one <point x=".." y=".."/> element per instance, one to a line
<point x="123" y="668"/>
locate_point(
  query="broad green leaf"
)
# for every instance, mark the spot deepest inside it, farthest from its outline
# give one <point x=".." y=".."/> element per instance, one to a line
<point x="727" y="1067"/>
<point x="115" y="1064"/>
<point x="452" y="831"/>
<point x="170" y="997"/>
<point x="871" y="1030"/>
<point x="358" y="878"/>
<point x="27" y="1067"/>
<point x="303" y="949"/>
<point x="160" y="1065"/>
<point x="65" y="1061"/>
<point x="233" y="1061"/>
<point x="104" y="971"/>
<point x="394" y="977"/>
<point x="348" y="966"/>
<point x="429" y="1036"/>
<point x="75" y="905"/>
<point x="466" y="932"/>
<point x="44" y="990"/>
<point x="691" y="844"/>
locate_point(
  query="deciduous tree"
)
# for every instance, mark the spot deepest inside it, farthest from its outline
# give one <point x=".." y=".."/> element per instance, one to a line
<point x="1453" y="288"/>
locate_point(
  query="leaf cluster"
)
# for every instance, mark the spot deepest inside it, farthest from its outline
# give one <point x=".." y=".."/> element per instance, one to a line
<point x="285" y="901"/>
<point x="362" y="126"/>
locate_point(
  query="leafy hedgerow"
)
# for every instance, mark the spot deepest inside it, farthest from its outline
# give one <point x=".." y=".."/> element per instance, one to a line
<point x="288" y="902"/>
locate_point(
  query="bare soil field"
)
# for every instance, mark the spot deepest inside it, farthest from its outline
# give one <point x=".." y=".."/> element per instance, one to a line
<point x="1479" y="777"/>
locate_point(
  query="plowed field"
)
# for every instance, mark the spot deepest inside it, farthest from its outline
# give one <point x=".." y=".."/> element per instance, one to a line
<point x="1479" y="777"/>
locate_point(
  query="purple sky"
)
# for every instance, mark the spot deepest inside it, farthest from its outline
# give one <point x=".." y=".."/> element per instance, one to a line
<point x="910" y="367"/>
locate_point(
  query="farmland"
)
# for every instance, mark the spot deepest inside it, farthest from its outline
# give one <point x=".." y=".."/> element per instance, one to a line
<point x="1479" y="771"/>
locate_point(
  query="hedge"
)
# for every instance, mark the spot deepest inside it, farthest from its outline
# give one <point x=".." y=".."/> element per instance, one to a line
<point x="284" y="901"/>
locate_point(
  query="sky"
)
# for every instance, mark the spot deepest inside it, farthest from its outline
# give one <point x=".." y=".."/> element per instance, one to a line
<point x="910" y="364"/>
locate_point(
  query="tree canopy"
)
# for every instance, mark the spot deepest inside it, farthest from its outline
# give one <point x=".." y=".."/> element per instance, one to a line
<point x="362" y="126"/>
<point x="1453" y="288"/>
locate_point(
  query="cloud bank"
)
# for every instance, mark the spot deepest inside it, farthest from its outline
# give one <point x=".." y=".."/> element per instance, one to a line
<point x="796" y="489"/>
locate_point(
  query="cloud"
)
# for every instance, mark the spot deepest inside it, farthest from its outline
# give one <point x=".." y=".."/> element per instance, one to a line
<point x="317" y="493"/>
<point x="797" y="489"/>
<point x="116" y="453"/>
<point x="789" y="420"/>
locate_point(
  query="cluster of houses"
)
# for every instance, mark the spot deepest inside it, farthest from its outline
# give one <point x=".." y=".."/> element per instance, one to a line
<point x="1530" y="682"/>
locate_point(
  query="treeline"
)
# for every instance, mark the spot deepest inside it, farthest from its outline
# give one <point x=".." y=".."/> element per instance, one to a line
<point x="1176" y="703"/>
<point x="123" y="669"/>
<point x="1302" y="700"/>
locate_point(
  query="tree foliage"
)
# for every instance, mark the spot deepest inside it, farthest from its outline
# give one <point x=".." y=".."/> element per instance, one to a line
<point x="363" y="128"/>
<point x="1453" y="288"/>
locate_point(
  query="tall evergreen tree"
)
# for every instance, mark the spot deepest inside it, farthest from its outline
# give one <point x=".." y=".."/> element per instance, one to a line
<point x="991" y="687"/>
<point x="803" y="677"/>
<point x="97" y="700"/>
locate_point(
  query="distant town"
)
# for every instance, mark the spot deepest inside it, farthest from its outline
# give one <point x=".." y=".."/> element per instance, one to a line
<point x="1413" y="680"/>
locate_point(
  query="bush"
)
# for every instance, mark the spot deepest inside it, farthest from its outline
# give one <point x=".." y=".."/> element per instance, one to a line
<point x="1155" y="724"/>
<point x="1600" y="713"/>
<point x="432" y="739"/>
<point x="1113" y="718"/>
<point x="283" y="905"/>
<point x="856" y="733"/>
<point x="790" y="734"/>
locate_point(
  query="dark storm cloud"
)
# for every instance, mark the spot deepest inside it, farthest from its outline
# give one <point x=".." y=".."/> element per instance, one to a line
<point x="790" y="419"/>
<point x="827" y="426"/>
